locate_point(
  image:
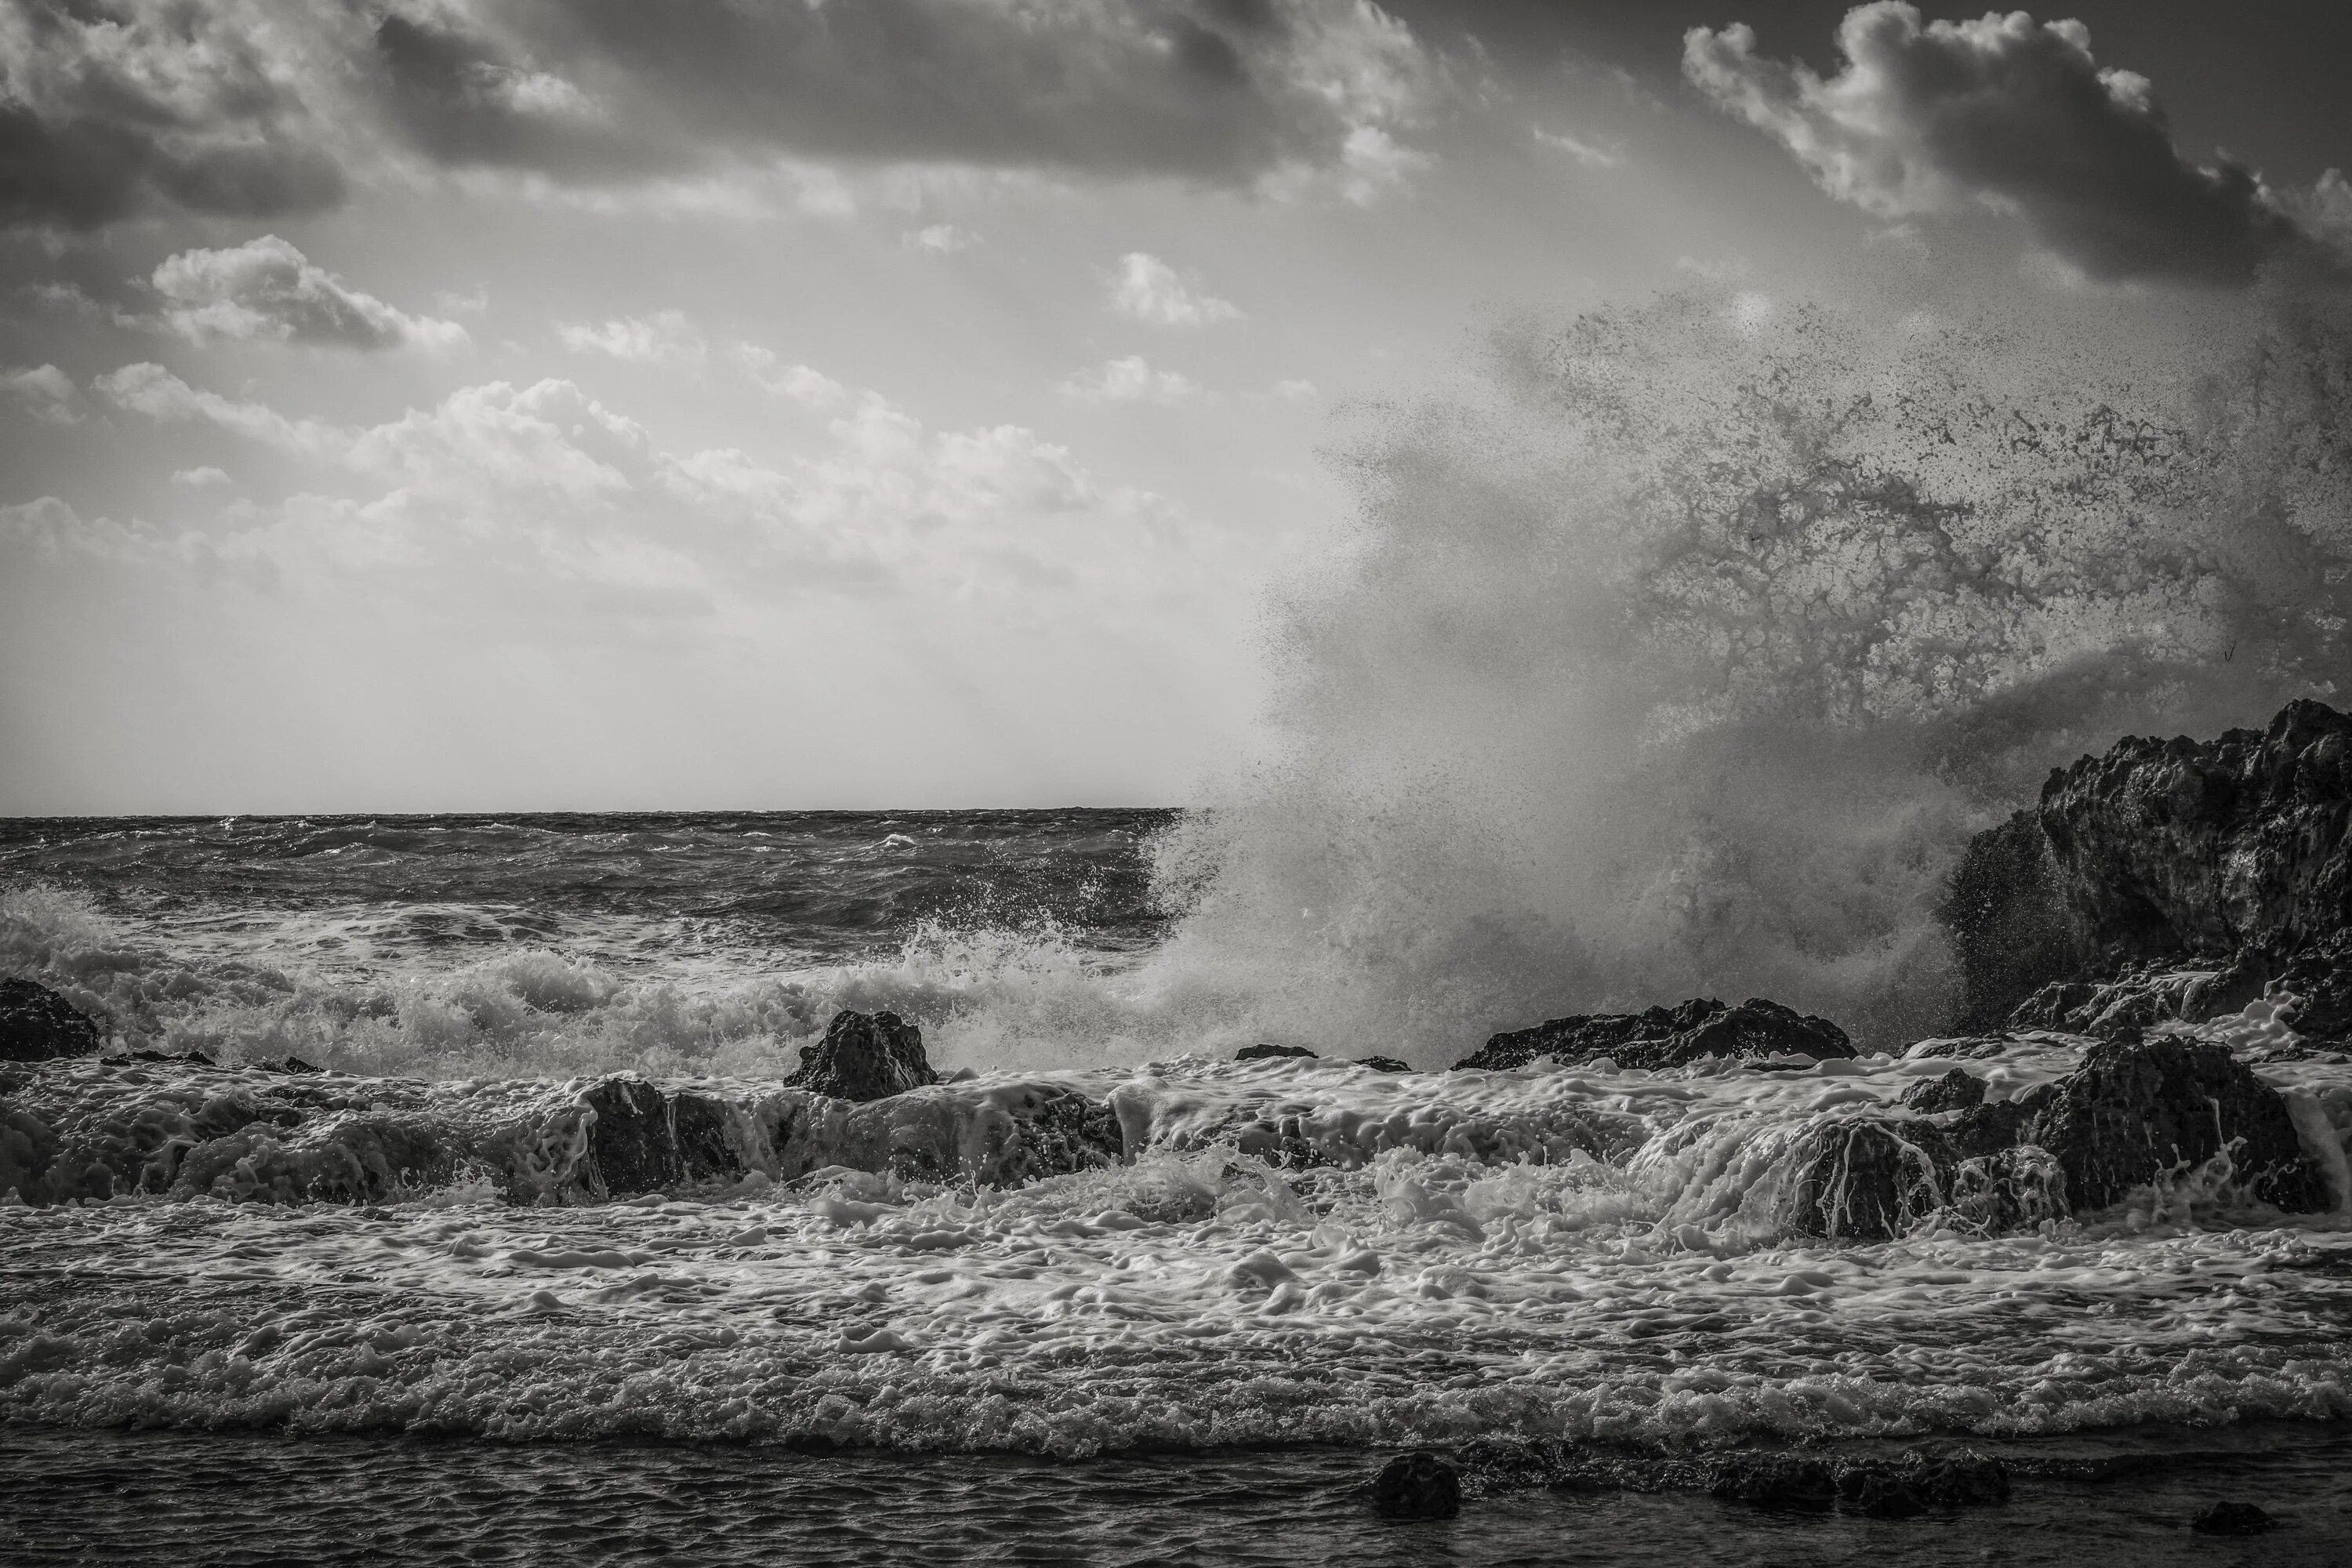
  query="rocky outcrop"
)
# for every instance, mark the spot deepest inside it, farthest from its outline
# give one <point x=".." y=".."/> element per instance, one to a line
<point x="1263" y="1052"/>
<point x="2166" y="879"/>
<point x="1668" y="1037"/>
<point x="36" y="1024"/>
<point x="864" y="1056"/>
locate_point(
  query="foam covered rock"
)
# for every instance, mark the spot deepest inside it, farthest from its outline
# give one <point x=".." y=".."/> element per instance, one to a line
<point x="1668" y="1037"/>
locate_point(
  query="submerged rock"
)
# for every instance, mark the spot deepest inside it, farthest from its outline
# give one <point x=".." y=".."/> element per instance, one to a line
<point x="2142" y="1111"/>
<point x="1668" y="1037"/>
<point x="864" y="1056"/>
<point x="36" y="1024"/>
<point x="2232" y="1517"/>
<point x="1417" y="1485"/>
<point x="1957" y="1090"/>
<point x="1900" y="1485"/>
<point x="1262" y="1052"/>
<point x="1383" y="1063"/>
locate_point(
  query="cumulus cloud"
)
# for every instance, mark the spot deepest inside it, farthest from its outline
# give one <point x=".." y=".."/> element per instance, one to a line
<point x="1131" y="380"/>
<point x="266" y="291"/>
<point x="113" y="108"/>
<point x="202" y="479"/>
<point x="666" y="337"/>
<point x="804" y="385"/>
<point x="1145" y="289"/>
<point x="149" y="390"/>
<point x="2008" y="114"/>
<point x="44" y="390"/>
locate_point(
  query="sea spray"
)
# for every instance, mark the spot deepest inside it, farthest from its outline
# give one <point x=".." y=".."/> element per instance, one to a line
<point x="1682" y="654"/>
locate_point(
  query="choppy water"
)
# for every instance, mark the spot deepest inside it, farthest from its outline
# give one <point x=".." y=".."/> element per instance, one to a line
<point x="851" y="1367"/>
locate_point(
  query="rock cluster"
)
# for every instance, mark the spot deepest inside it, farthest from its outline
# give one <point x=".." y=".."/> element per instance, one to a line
<point x="2169" y="879"/>
<point x="1668" y="1037"/>
<point x="2136" y="1111"/>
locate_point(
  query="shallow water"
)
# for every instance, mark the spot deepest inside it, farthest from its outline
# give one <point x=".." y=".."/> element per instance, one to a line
<point x="173" y="1498"/>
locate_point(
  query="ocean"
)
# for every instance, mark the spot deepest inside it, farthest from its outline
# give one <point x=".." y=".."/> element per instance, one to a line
<point x="1197" y="1356"/>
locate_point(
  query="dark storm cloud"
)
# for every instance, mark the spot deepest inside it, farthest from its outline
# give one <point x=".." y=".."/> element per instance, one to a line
<point x="2013" y="115"/>
<point x="1223" y="89"/>
<point x="109" y="107"/>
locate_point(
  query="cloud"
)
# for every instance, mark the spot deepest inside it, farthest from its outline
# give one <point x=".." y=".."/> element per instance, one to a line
<point x="804" y="385"/>
<point x="44" y="390"/>
<point x="939" y="239"/>
<point x="266" y="291"/>
<point x="203" y="479"/>
<point x="150" y="390"/>
<point x="1145" y="289"/>
<point x="1585" y="153"/>
<point x="1131" y="380"/>
<point x="2006" y="114"/>
<point x="110" y="108"/>
<point x="1214" y="90"/>
<point x="666" y="337"/>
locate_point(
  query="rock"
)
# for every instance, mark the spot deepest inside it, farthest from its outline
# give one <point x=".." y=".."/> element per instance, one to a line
<point x="865" y="1056"/>
<point x="2139" y="1111"/>
<point x="1957" y="1090"/>
<point x="644" y="1140"/>
<point x="1668" y="1037"/>
<point x="1866" y="1178"/>
<point x="1383" y="1063"/>
<point x="36" y="1024"/>
<point x="1262" y="1051"/>
<point x="2228" y="1518"/>
<point x="1417" y="1485"/>
<point x="2223" y="865"/>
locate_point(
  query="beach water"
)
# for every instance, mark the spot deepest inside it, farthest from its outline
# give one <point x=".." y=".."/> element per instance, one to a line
<point x="1197" y="1355"/>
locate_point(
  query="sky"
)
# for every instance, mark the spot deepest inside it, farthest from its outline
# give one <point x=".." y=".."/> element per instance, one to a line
<point x="440" y="405"/>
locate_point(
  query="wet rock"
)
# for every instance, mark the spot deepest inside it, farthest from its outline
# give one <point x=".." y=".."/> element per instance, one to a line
<point x="36" y="1024"/>
<point x="1052" y="1131"/>
<point x="1383" y="1063"/>
<point x="1668" y="1037"/>
<point x="2232" y="1517"/>
<point x="1957" y="1090"/>
<point x="1866" y="1178"/>
<point x="864" y="1056"/>
<point x="2141" y="1111"/>
<point x="1417" y="1485"/>
<point x="1262" y="1051"/>
<point x="2008" y="915"/>
<point x="644" y="1140"/>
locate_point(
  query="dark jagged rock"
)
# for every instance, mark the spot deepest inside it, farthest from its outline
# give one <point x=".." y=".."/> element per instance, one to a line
<point x="1055" y="1133"/>
<point x="1261" y="1052"/>
<point x="644" y="1140"/>
<point x="2138" y="1110"/>
<point x="1957" y="1090"/>
<point x="2228" y="858"/>
<point x="1417" y="1485"/>
<point x="1383" y="1063"/>
<point x="1668" y="1037"/>
<point x="2230" y="1518"/>
<point x="864" y="1056"/>
<point x="36" y="1024"/>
